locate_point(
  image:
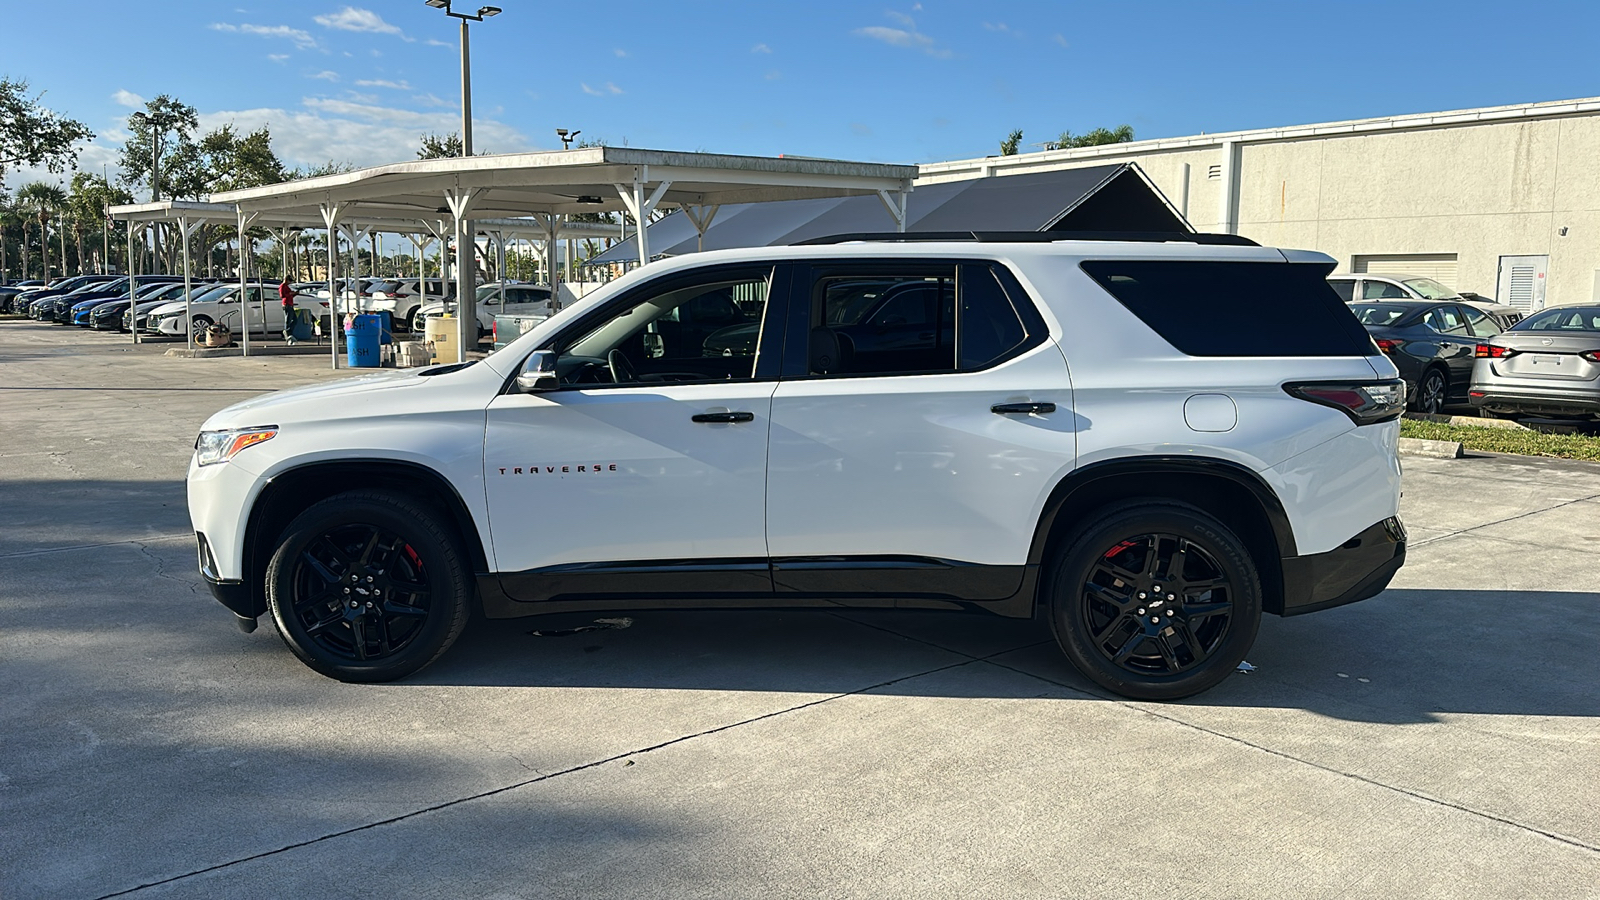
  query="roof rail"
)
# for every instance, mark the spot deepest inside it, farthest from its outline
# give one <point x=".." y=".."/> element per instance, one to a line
<point x="1032" y="237"/>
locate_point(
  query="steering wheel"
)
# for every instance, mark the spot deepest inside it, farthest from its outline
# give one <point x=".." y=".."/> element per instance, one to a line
<point x="621" y="370"/>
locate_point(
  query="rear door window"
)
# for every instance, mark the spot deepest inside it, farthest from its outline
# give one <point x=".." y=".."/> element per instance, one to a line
<point x="1236" y="308"/>
<point x="1345" y="289"/>
<point x="1381" y="290"/>
<point x="1482" y="324"/>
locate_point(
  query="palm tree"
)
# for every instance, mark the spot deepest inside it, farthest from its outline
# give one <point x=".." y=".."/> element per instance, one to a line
<point x="40" y="199"/>
<point x="8" y="218"/>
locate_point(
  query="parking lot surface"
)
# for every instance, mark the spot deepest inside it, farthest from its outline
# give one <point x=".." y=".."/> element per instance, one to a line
<point x="1439" y="740"/>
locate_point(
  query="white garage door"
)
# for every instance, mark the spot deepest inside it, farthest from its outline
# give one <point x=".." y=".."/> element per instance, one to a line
<point x="1441" y="267"/>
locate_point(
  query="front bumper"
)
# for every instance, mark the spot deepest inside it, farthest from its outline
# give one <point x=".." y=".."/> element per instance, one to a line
<point x="1355" y="570"/>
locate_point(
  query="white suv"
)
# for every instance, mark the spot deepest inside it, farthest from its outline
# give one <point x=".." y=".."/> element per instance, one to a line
<point x="1078" y="430"/>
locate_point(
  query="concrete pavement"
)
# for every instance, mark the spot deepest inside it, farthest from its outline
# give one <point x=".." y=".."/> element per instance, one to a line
<point x="1439" y="740"/>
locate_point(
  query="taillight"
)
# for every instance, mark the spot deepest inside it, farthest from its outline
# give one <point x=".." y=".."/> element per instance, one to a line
<point x="1494" y="351"/>
<point x="1365" y="402"/>
<point x="1388" y="345"/>
<point x="1591" y="355"/>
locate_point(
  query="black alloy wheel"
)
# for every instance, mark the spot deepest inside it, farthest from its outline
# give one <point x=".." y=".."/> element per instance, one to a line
<point x="1432" y="393"/>
<point x="367" y="587"/>
<point x="1156" y="601"/>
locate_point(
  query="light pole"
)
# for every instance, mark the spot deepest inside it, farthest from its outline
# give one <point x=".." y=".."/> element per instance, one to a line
<point x="567" y="137"/>
<point x="484" y="12"/>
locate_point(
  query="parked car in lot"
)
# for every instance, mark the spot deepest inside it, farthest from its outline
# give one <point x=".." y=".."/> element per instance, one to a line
<point x="109" y="316"/>
<point x="520" y="299"/>
<point x="507" y="328"/>
<point x="1432" y="344"/>
<point x="52" y="307"/>
<point x="402" y="297"/>
<point x="1546" y="367"/>
<point x="221" y="305"/>
<point x="108" y="292"/>
<point x="1375" y="288"/>
<point x="1186" y="475"/>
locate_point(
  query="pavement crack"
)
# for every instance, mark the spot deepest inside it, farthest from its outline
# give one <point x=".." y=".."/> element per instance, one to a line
<point x="149" y="539"/>
<point x="570" y="770"/>
<point x="1534" y="512"/>
<point x="1405" y="791"/>
<point x="161" y="568"/>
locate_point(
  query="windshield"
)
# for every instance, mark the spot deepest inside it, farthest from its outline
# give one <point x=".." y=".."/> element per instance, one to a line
<point x="1430" y="289"/>
<point x="488" y="291"/>
<point x="213" y="294"/>
<point x="1387" y="314"/>
<point x="1578" y="319"/>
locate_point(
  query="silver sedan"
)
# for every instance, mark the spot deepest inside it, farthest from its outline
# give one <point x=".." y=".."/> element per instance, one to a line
<point x="1545" y="367"/>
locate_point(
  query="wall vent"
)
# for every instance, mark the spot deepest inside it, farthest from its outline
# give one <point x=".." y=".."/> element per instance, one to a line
<point x="1215" y="172"/>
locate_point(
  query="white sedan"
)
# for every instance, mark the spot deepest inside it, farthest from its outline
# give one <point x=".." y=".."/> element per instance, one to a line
<point x="520" y="299"/>
<point x="221" y="305"/>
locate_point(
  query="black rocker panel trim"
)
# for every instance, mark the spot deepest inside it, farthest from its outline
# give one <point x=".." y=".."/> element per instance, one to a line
<point x="830" y="582"/>
<point x="899" y="576"/>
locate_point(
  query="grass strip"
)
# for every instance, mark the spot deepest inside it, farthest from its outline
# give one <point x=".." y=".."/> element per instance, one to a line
<point x="1500" y="440"/>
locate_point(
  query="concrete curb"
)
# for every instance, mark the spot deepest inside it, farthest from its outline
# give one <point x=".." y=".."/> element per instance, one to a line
<point x="255" y="350"/>
<point x="1433" y="449"/>
<point x="1470" y="421"/>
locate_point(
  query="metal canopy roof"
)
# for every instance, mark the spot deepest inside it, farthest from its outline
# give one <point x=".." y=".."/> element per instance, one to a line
<point x="1097" y="198"/>
<point x="569" y="182"/>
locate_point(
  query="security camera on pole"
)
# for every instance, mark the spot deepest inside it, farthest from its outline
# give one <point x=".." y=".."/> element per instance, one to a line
<point x="466" y="289"/>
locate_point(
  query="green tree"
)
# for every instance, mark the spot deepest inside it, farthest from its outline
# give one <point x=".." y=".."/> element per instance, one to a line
<point x="31" y="135"/>
<point x="42" y="200"/>
<point x="89" y="199"/>
<point x="1008" y="147"/>
<point x="436" y="147"/>
<point x="331" y="167"/>
<point x="10" y="218"/>
<point x="1119" y="135"/>
<point x="163" y="131"/>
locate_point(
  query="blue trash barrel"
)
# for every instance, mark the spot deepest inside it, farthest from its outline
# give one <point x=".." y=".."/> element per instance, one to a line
<point x="304" y="325"/>
<point x="361" y="339"/>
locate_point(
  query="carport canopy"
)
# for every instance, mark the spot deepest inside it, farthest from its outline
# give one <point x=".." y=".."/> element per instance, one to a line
<point x="551" y="186"/>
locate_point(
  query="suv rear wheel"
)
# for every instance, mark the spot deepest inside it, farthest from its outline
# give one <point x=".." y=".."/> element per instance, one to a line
<point x="367" y="586"/>
<point x="1155" y="601"/>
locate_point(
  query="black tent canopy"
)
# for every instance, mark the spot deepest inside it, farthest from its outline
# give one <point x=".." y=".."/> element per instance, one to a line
<point x="1114" y="198"/>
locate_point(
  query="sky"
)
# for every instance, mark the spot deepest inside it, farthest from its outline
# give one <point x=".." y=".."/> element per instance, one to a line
<point x="905" y="82"/>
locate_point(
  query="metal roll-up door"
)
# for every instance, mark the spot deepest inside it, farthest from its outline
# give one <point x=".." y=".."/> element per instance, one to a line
<point x="1441" y="267"/>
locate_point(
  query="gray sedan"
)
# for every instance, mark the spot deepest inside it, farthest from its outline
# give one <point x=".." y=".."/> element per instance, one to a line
<point x="1545" y="367"/>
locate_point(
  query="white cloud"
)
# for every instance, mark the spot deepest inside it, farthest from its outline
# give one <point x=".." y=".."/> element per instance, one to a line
<point x="361" y="133"/>
<point x="902" y="18"/>
<point x="353" y="19"/>
<point x="761" y="48"/>
<point x="358" y="97"/>
<point x="128" y="99"/>
<point x="607" y="90"/>
<point x="301" y="39"/>
<point x="431" y="100"/>
<point x="384" y="83"/>
<point x="899" y="37"/>
<point x="435" y="42"/>
<point x="860" y="130"/>
<point x="621" y="53"/>
<point x="325" y="75"/>
<point x="277" y="57"/>
<point x="773" y="75"/>
<point x="1060" y="40"/>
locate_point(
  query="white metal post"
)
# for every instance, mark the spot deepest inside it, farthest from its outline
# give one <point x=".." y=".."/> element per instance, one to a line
<point x="244" y="292"/>
<point x="188" y="283"/>
<point x="466" y="94"/>
<point x="133" y="288"/>
<point x="330" y="216"/>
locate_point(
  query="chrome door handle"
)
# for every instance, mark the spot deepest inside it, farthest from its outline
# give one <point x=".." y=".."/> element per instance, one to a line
<point x="1008" y="409"/>
<point x="724" y="417"/>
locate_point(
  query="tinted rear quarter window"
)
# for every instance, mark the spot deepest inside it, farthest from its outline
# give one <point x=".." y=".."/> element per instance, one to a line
<point x="1236" y="308"/>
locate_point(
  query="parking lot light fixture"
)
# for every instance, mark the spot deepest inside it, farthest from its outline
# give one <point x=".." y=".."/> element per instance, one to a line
<point x="483" y="12"/>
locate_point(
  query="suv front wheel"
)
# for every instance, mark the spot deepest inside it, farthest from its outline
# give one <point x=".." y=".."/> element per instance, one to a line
<point x="1155" y="601"/>
<point x="367" y="586"/>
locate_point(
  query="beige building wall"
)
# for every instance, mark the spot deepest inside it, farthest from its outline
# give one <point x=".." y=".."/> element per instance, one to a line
<point x="1480" y="184"/>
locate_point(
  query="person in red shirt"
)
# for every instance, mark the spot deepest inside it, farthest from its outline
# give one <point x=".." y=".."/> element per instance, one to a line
<point x="286" y="297"/>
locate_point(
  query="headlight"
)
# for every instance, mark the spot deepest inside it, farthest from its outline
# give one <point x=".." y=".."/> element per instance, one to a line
<point x="220" y="446"/>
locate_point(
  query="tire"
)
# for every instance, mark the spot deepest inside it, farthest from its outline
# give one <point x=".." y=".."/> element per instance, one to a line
<point x="392" y="557"/>
<point x="408" y="320"/>
<point x="1433" y="392"/>
<point x="1117" y="617"/>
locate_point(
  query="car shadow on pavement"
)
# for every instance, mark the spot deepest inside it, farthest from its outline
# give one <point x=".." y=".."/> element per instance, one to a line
<point x="1406" y="656"/>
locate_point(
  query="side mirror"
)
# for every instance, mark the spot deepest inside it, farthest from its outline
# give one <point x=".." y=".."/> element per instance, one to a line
<point x="538" y="373"/>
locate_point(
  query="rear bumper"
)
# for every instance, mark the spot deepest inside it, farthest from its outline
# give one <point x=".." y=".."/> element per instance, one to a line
<point x="1537" y="399"/>
<point x="1357" y="569"/>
